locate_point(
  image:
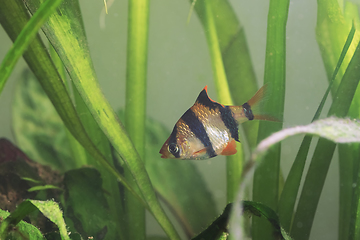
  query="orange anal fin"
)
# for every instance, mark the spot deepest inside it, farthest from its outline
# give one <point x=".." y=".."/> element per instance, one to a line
<point x="230" y="148"/>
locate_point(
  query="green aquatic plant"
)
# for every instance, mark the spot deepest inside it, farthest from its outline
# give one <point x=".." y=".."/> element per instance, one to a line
<point x="107" y="163"/>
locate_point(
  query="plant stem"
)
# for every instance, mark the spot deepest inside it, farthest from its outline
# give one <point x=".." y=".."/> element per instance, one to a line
<point x="135" y="107"/>
<point x="234" y="162"/>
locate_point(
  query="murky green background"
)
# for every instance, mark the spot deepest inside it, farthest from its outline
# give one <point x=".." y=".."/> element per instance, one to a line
<point x="179" y="67"/>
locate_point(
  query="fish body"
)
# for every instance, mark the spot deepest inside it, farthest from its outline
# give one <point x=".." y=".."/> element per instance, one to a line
<point x="208" y="128"/>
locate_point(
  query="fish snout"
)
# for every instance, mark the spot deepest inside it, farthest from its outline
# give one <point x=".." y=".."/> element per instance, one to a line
<point x="164" y="151"/>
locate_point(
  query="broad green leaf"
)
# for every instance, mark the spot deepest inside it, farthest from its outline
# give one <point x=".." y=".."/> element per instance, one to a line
<point x="184" y="190"/>
<point x="37" y="127"/>
<point x="86" y="205"/>
<point x="22" y="231"/>
<point x="332" y="27"/>
<point x="261" y="210"/>
<point x="66" y="33"/>
<point x="219" y="228"/>
<point x="266" y="177"/>
<point x="49" y="209"/>
<point x="157" y="238"/>
<point x="337" y="130"/>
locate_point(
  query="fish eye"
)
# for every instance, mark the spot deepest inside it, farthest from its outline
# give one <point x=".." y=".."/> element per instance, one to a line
<point x="173" y="148"/>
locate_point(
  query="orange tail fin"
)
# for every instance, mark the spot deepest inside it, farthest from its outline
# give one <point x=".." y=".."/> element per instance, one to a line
<point x="256" y="104"/>
<point x="259" y="96"/>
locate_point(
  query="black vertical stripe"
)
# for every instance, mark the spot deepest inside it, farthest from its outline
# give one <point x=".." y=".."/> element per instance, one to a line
<point x="172" y="140"/>
<point x="230" y="122"/>
<point x="247" y="111"/>
<point x="198" y="129"/>
<point x="226" y="114"/>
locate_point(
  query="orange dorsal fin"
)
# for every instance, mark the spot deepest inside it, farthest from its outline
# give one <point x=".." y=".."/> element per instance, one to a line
<point x="230" y="148"/>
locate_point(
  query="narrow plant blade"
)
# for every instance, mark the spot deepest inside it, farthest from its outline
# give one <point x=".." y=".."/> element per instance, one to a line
<point x="79" y="154"/>
<point x="257" y="210"/>
<point x="238" y="66"/>
<point x="266" y="177"/>
<point x="332" y="129"/>
<point x="70" y="42"/>
<point x="332" y="27"/>
<point x="40" y="63"/>
<point x="321" y="159"/>
<point x="289" y="194"/>
<point x="183" y="180"/>
<point x="333" y="20"/>
<point x="234" y="163"/>
<point x="135" y="103"/>
<point x="24" y="39"/>
<point x="352" y="216"/>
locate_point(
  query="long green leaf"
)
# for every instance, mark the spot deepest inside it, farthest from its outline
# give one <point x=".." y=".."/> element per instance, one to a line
<point x="40" y="63"/>
<point x="333" y="20"/>
<point x="79" y="184"/>
<point x="258" y="210"/>
<point x="321" y="159"/>
<point x="332" y="28"/>
<point x="78" y="152"/>
<point x="135" y="102"/>
<point x="183" y="180"/>
<point x="292" y="184"/>
<point x="353" y="215"/>
<point x="24" y="39"/>
<point x="266" y="177"/>
<point x="66" y="33"/>
<point x="332" y="129"/>
<point x="234" y="162"/>
<point x="238" y="66"/>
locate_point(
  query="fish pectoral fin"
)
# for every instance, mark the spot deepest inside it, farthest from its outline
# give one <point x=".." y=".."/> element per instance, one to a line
<point x="202" y="151"/>
<point x="230" y="148"/>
